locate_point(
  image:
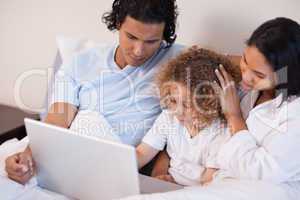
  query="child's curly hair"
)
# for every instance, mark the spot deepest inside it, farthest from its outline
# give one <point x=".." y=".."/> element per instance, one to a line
<point x="195" y="69"/>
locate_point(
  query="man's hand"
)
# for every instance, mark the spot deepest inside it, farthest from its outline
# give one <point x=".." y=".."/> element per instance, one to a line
<point x="20" y="167"/>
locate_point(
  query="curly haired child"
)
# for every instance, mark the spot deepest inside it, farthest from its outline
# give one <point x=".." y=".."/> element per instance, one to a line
<point x="192" y="125"/>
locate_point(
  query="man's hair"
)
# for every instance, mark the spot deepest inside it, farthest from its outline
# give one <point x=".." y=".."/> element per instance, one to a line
<point x="146" y="11"/>
<point x="279" y="41"/>
<point x="195" y="69"/>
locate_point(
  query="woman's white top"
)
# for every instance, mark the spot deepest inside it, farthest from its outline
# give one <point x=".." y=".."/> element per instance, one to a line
<point x="269" y="149"/>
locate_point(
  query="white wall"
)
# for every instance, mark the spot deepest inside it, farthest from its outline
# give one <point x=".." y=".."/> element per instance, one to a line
<point x="28" y="30"/>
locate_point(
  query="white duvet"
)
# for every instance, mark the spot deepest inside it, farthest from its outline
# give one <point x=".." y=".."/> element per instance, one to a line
<point x="219" y="190"/>
<point x="228" y="190"/>
<point x="9" y="189"/>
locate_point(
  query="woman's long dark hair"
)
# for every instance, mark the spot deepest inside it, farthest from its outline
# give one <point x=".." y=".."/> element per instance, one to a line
<point x="279" y="41"/>
<point x="147" y="11"/>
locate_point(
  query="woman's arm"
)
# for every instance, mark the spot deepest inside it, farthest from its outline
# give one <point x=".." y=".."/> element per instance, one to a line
<point x="207" y="176"/>
<point x="275" y="161"/>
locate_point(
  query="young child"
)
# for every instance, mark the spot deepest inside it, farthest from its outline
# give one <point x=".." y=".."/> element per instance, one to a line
<point x="192" y="126"/>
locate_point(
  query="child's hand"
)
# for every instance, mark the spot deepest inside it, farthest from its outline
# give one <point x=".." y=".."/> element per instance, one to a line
<point x="207" y="176"/>
<point x="166" y="177"/>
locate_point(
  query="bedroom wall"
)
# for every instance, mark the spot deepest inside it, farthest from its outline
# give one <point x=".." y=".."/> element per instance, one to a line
<point x="28" y="30"/>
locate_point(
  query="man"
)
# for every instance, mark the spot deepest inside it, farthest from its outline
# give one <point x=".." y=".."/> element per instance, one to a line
<point x="113" y="81"/>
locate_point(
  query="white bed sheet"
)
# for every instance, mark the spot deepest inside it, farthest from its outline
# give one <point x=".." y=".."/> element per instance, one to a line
<point x="219" y="190"/>
<point x="229" y="190"/>
<point x="10" y="190"/>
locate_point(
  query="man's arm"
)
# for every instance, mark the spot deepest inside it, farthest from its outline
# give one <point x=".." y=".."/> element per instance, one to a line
<point x="61" y="114"/>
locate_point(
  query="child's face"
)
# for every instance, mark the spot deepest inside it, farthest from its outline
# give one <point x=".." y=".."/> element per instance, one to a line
<point x="180" y="103"/>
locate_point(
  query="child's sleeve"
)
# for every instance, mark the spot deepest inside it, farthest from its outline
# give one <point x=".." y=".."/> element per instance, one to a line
<point x="158" y="134"/>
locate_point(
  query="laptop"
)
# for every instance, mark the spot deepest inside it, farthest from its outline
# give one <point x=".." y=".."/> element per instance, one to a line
<point x="88" y="168"/>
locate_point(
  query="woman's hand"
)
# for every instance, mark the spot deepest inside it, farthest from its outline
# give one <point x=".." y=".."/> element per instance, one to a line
<point x="207" y="176"/>
<point x="230" y="101"/>
<point x="20" y="167"/>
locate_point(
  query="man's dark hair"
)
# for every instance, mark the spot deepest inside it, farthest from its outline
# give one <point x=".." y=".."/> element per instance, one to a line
<point x="146" y="11"/>
<point x="279" y="41"/>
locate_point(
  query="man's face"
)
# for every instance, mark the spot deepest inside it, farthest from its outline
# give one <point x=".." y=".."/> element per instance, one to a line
<point x="138" y="41"/>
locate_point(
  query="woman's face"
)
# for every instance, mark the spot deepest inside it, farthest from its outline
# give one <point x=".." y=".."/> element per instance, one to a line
<point x="257" y="73"/>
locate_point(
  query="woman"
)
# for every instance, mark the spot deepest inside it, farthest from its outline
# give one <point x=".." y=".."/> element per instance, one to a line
<point x="262" y="152"/>
<point x="263" y="146"/>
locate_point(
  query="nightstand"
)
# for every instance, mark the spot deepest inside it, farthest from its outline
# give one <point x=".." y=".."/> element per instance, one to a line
<point x="12" y="123"/>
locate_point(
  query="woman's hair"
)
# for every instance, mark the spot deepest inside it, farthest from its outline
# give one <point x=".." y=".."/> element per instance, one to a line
<point x="195" y="69"/>
<point x="279" y="41"/>
<point x="147" y="11"/>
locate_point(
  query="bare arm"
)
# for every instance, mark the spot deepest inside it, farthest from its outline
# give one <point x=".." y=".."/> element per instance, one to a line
<point x="145" y="154"/>
<point x="61" y="114"/>
<point x="161" y="165"/>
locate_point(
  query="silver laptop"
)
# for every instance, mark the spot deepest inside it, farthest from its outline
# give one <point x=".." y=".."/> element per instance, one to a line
<point x="87" y="168"/>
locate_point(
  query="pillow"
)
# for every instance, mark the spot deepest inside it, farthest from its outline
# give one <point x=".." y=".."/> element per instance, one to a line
<point x="68" y="47"/>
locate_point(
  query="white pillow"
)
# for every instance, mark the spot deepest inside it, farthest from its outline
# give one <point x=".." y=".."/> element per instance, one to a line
<point x="68" y="47"/>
